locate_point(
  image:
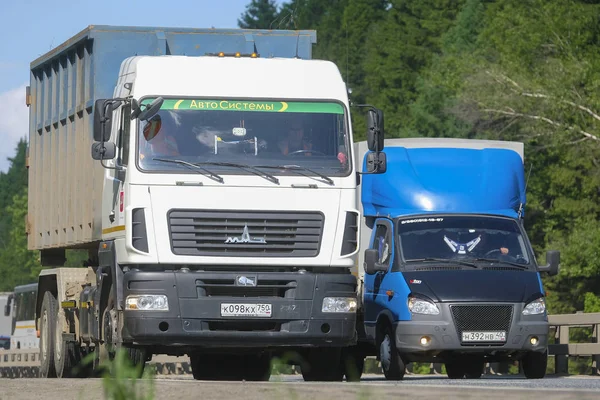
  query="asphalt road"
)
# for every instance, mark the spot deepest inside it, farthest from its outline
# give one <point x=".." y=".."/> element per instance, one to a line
<point x="292" y="387"/>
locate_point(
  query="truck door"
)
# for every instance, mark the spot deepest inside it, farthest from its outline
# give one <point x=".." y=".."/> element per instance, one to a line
<point x="375" y="291"/>
<point x="113" y="209"/>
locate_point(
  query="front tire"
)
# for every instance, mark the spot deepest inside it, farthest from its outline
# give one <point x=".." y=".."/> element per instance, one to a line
<point x="534" y="365"/>
<point x="392" y="364"/>
<point x="323" y="364"/>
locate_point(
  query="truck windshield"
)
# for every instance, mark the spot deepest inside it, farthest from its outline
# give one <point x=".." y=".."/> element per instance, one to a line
<point x="267" y="134"/>
<point x="466" y="238"/>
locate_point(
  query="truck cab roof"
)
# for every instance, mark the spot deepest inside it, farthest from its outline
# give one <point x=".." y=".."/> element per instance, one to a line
<point x="427" y="176"/>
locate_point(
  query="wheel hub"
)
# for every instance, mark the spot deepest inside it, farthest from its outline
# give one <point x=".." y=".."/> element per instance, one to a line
<point x="385" y="352"/>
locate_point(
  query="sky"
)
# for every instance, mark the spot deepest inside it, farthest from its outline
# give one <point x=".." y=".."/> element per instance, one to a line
<point x="30" y="28"/>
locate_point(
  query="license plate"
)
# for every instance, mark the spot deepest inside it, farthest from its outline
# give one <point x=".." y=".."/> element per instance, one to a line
<point x="245" y="310"/>
<point x="496" y="336"/>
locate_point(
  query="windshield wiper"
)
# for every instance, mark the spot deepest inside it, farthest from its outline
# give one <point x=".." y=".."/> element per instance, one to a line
<point x="495" y="260"/>
<point x="203" y="171"/>
<point x="443" y="260"/>
<point x="257" y="171"/>
<point x="298" y="168"/>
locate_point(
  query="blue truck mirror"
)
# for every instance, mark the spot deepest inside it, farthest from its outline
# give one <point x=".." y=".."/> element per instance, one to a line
<point x="370" y="260"/>
<point x="552" y="263"/>
<point x="103" y="151"/>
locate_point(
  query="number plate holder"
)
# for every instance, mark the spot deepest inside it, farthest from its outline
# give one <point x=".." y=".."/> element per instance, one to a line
<point x="263" y="310"/>
<point x="484" y="336"/>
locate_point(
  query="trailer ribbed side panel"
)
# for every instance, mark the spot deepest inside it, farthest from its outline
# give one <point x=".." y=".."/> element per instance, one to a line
<point x="65" y="184"/>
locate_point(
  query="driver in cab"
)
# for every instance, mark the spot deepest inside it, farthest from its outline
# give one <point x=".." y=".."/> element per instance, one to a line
<point x="160" y="140"/>
<point x="297" y="142"/>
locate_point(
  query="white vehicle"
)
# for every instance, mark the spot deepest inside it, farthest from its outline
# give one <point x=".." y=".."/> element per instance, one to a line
<point x="20" y="308"/>
<point x="220" y="215"/>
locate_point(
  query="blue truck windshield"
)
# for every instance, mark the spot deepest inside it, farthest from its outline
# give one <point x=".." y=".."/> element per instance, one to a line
<point x="463" y="238"/>
<point x="264" y="134"/>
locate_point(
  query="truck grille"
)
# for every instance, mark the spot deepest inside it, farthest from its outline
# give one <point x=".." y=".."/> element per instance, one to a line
<point x="226" y="287"/>
<point x="245" y="233"/>
<point x="482" y="318"/>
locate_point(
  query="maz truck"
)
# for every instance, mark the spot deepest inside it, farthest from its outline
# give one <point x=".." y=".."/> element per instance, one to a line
<point x="209" y="174"/>
<point x="449" y="273"/>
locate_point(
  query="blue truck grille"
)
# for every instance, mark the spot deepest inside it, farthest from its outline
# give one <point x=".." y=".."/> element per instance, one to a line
<point x="482" y="318"/>
<point x="245" y="233"/>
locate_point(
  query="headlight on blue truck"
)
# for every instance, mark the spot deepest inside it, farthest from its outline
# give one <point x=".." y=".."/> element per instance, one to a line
<point x="147" y="302"/>
<point x="339" y="305"/>
<point x="535" y="307"/>
<point x="418" y="305"/>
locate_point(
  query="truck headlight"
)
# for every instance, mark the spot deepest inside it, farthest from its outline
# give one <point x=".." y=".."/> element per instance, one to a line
<point x="417" y="305"/>
<point x="147" y="302"/>
<point x="536" y="307"/>
<point x="339" y="305"/>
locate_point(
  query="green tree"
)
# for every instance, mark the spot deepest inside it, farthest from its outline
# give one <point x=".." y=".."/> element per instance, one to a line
<point x="259" y="14"/>
<point x="18" y="265"/>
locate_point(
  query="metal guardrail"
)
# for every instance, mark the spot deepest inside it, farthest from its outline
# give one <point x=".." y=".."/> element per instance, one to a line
<point x="562" y="348"/>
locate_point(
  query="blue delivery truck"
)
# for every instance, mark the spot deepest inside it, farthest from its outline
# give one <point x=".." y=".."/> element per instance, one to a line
<point x="449" y="274"/>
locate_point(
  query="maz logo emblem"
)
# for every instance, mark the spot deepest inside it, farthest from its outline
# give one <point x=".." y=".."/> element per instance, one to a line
<point x="245" y="238"/>
<point x="245" y="281"/>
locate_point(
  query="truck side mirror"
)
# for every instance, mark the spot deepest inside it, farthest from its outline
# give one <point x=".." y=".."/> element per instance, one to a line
<point x="371" y="266"/>
<point x="370" y="260"/>
<point x="104" y="150"/>
<point x="150" y="110"/>
<point x="102" y="120"/>
<point x="375" y="134"/>
<point x="376" y="162"/>
<point x="552" y="263"/>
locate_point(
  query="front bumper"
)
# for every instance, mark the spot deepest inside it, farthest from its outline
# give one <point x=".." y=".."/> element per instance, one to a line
<point x="195" y="298"/>
<point x="444" y="332"/>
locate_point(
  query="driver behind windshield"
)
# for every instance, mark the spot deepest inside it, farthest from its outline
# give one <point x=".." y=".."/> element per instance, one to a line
<point x="159" y="133"/>
<point x="476" y="244"/>
<point x="295" y="140"/>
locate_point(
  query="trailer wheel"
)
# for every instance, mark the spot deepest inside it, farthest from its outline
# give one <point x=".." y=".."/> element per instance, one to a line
<point x="392" y="364"/>
<point x="48" y="315"/>
<point x="534" y="364"/>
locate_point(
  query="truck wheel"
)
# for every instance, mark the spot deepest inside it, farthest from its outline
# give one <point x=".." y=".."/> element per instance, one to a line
<point x="455" y="369"/>
<point x="48" y="315"/>
<point x="474" y="367"/>
<point x="201" y="368"/>
<point x="392" y="364"/>
<point x="353" y="364"/>
<point x="111" y="343"/>
<point x="323" y="364"/>
<point x="534" y="364"/>
<point x="257" y="367"/>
